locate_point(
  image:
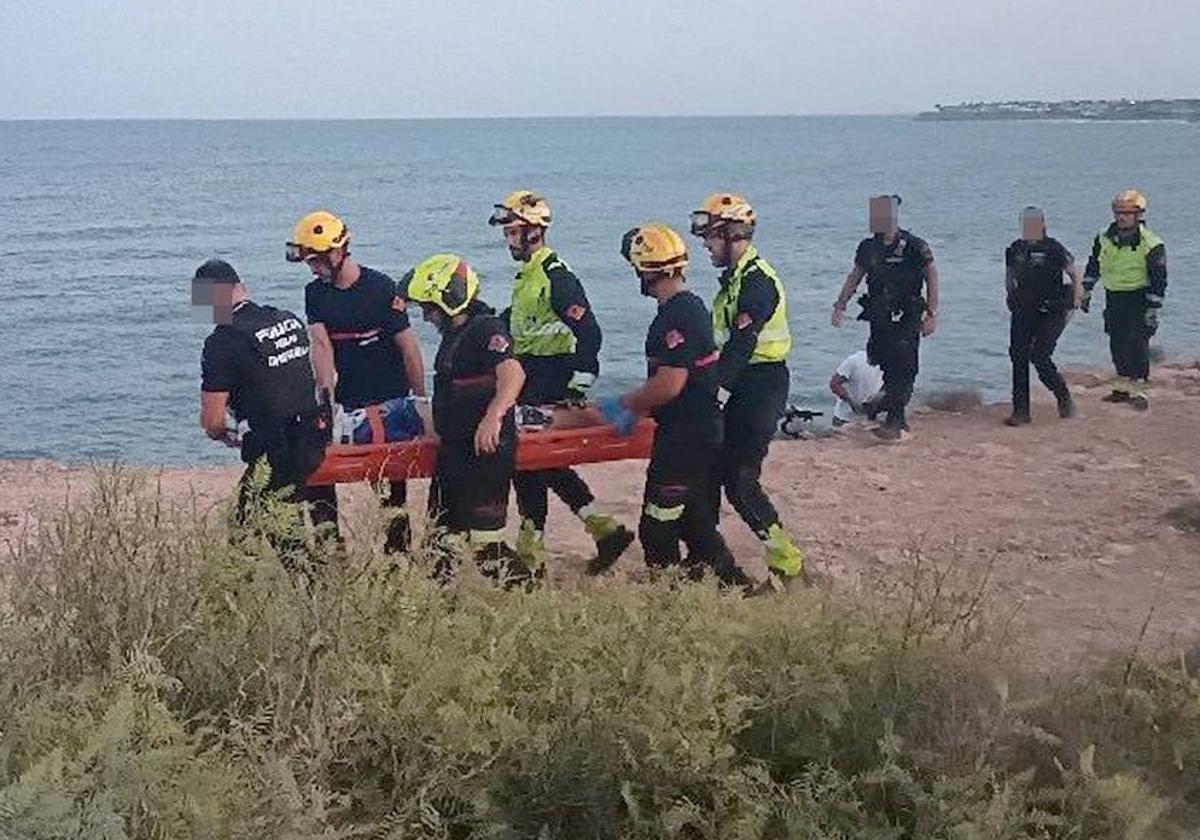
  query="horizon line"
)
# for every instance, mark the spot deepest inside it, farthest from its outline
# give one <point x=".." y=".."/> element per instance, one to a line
<point x="430" y="118"/>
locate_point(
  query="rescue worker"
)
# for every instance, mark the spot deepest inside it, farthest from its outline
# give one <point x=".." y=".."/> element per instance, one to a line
<point x="255" y="368"/>
<point x="1130" y="260"/>
<point x="751" y="330"/>
<point x="898" y="267"/>
<point x="680" y="393"/>
<point x="363" y="351"/>
<point x="557" y="340"/>
<point x="1039" y="298"/>
<point x="475" y="386"/>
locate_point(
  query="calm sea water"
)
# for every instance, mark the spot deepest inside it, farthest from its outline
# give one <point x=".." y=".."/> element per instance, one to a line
<point x="103" y="223"/>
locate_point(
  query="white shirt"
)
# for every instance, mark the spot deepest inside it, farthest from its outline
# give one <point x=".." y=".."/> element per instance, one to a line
<point x="863" y="380"/>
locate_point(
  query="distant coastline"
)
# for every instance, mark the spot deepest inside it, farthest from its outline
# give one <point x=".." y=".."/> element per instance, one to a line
<point x="1072" y="109"/>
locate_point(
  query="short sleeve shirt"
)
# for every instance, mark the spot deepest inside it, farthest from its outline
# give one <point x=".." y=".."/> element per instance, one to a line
<point x="1038" y="268"/>
<point x="465" y="372"/>
<point x="681" y="336"/>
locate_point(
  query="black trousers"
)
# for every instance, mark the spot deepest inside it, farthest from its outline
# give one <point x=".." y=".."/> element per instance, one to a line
<point x="292" y="453"/>
<point x="1128" y="336"/>
<point x="1033" y="336"/>
<point x="546" y="379"/>
<point x="894" y="346"/>
<point x="469" y="492"/>
<point x="677" y="506"/>
<point x="751" y="418"/>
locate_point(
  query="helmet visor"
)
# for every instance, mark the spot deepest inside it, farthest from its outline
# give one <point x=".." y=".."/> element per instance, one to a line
<point x="294" y="252"/>
<point x="702" y="220"/>
<point x="502" y="215"/>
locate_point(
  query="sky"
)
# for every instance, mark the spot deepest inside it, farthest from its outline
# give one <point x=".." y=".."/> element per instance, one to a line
<point x="463" y="58"/>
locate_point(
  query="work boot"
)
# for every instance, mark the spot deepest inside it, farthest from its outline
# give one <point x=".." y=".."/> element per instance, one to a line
<point x="871" y="407"/>
<point x="611" y="537"/>
<point x="1019" y="417"/>
<point x="398" y="537"/>
<point x="531" y="545"/>
<point x="892" y="432"/>
<point x="1140" y="401"/>
<point x="1066" y="405"/>
<point x="783" y="557"/>
<point x="1117" y="395"/>
<point x="499" y="562"/>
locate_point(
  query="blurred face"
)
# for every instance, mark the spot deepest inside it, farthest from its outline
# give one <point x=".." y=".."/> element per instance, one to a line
<point x="882" y="215"/>
<point x="218" y="296"/>
<point x="1033" y="227"/>
<point x="1126" y="219"/>
<point x="718" y="248"/>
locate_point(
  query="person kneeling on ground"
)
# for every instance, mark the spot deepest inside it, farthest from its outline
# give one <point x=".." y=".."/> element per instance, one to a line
<point x="1039" y="298"/>
<point x="475" y="386"/>
<point x="682" y="486"/>
<point x="858" y="386"/>
<point x="255" y="367"/>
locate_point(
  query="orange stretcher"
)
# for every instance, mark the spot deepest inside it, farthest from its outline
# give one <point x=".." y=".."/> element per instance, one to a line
<point x="535" y="451"/>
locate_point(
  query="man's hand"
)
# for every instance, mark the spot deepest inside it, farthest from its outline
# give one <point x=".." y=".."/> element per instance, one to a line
<point x="577" y="388"/>
<point x="1151" y="320"/>
<point x="929" y="323"/>
<point x="1077" y="298"/>
<point x="487" y="434"/>
<point x="839" y="314"/>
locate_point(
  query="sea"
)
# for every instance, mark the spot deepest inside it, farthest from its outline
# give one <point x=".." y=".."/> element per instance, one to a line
<point x="103" y="222"/>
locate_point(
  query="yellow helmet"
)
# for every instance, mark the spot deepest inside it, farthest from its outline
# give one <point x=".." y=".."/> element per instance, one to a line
<point x="521" y="207"/>
<point x="317" y="233"/>
<point x="654" y="247"/>
<point x="1129" y="201"/>
<point x="444" y="280"/>
<point x="721" y="209"/>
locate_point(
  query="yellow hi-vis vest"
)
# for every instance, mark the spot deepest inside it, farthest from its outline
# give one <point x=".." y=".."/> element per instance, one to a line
<point x="774" y="340"/>
<point x="1123" y="269"/>
<point x="535" y="326"/>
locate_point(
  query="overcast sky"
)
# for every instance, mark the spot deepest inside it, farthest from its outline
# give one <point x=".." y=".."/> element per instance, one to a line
<point x="394" y="58"/>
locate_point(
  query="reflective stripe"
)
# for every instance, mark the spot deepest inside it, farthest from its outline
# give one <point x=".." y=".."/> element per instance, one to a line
<point x="535" y="326"/>
<point x="490" y="537"/>
<point x="1123" y="269"/>
<point x="775" y="339"/>
<point x="663" y="514"/>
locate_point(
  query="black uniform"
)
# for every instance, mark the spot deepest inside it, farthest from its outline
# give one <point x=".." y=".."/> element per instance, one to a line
<point x="894" y="307"/>
<point x="1039" y="301"/>
<point x="362" y="322"/>
<point x="262" y="360"/>
<point x="1125" y="312"/>
<point x="546" y="380"/>
<point x="469" y="492"/>
<point x="681" y="479"/>
<point x="758" y="398"/>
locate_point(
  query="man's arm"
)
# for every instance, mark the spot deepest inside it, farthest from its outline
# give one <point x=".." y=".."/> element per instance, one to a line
<point x="414" y="364"/>
<point x="510" y="379"/>
<point x="1090" y="275"/>
<point x="929" y="321"/>
<point x="848" y="288"/>
<point x="756" y="304"/>
<point x="212" y="413"/>
<point x="570" y="304"/>
<point x="1072" y="271"/>
<point x="322" y="357"/>
<point x="837" y="385"/>
<point x="666" y="384"/>
<point x="1156" y="269"/>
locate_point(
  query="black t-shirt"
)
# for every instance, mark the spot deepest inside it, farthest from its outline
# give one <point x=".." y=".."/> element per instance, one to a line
<point x="1037" y="267"/>
<point x="681" y="336"/>
<point x="895" y="272"/>
<point x="464" y="380"/>
<point x="262" y="359"/>
<point x="362" y="322"/>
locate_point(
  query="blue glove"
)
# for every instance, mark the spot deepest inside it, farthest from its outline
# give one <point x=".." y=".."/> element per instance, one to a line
<point x="617" y="415"/>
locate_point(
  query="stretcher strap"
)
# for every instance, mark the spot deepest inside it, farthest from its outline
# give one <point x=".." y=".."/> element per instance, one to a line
<point x="375" y="419"/>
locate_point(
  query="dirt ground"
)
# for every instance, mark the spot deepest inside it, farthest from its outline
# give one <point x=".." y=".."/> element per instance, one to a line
<point x="1086" y="527"/>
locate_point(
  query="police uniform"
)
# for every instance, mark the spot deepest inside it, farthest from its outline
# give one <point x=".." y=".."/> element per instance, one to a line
<point x="1039" y="298"/>
<point x="751" y="329"/>
<point x="469" y="492"/>
<point x="555" y="335"/>
<point x="261" y="358"/>
<point x="894" y="307"/>
<point x="1133" y="270"/>
<point x="362" y="321"/>
<point x="678" y="502"/>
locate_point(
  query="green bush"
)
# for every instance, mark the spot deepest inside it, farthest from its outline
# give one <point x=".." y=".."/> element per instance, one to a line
<point x="158" y="680"/>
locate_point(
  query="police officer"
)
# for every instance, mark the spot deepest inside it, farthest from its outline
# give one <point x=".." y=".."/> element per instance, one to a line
<point x="475" y="386"/>
<point x="751" y="330"/>
<point x="557" y="340"/>
<point x="1131" y="262"/>
<point x="255" y="368"/>
<point x="899" y="267"/>
<point x="363" y="349"/>
<point x="680" y="393"/>
<point x="1039" y="298"/>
